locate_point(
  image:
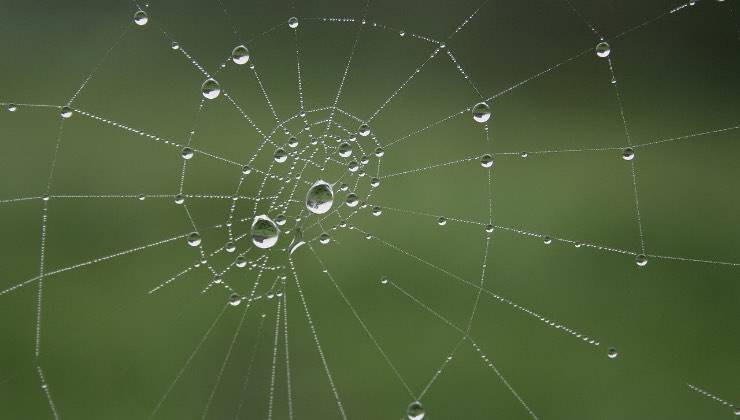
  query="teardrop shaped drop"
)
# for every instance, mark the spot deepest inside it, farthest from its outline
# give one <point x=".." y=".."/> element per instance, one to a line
<point x="320" y="197"/>
<point x="265" y="232"/>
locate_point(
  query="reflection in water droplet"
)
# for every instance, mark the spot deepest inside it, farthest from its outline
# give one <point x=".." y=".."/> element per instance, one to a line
<point x="210" y="89"/>
<point x="194" y="239"/>
<point x="628" y="154"/>
<point x="324" y="238"/>
<point x="297" y="241"/>
<point x="320" y="197"/>
<point x="481" y="112"/>
<point x="641" y="260"/>
<point x="141" y="18"/>
<point x="293" y="22"/>
<point x="415" y="411"/>
<point x="612" y="353"/>
<point x="264" y="232"/>
<point x="240" y="55"/>
<point x="603" y="49"/>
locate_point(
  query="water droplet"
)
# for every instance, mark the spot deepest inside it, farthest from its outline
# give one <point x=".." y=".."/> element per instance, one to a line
<point x="230" y="247"/>
<point x="343" y="187"/>
<point x="280" y="156"/>
<point x="612" y="353"/>
<point x="351" y="200"/>
<point x="141" y="18"/>
<point x="210" y="89"/>
<point x="442" y="221"/>
<point x="296" y="242"/>
<point x="264" y="232"/>
<point x="353" y="166"/>
<point x="12" y="107"/>
<point x="142" y="197"/>
<point x="384" y="280"/>
<point x="293" y="142"/>
<point x="179" y="199"/>
<point x="345" y="150"/>
<point x="481" y="112"/>
<point x="175" y="45"/>
<point x="547" y="240"/>
<point x="603" y="49"/>
<point x="194" y="239"/>
<point x="293" y="22"/>
<point x="240" y="262"/>
<point x="364" y="160"/>
<point x="523" y="154"/>
<point x="187" y="153"/>
<point x="377" y="211"/>
<point x="489" y="228"/>
<point x="217" y="279"/>
<point x="324" y="238"/>
<point x="364" y="130"/>
<point x="486" y="161"/>
<point x="66" y="112"/>
<point x="374" y="182"/>
<point x="415" y="411"/>
<point x="240" y="55"/>
<point x="235" y="300"/>
<point x="628" y="154"/>
<point x="320" y="197"/>
<point x="246" y="169"/>
<point x="402" y="33"/>
<point x="641" y="260"/>
<point x="45" y="197"/>
<point x="379" y="152"/>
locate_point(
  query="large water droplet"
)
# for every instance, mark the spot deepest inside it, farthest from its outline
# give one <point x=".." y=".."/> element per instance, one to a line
<point x="293" y="22"/>
<point x="628" y="154"/>
<point x="66" y="112"/>
<point x="364" y="130"/>
<point x="481" y="112"/>
<point x="235" y="300"/>
<point x="240" y="55"/>
<point x="187" y="153"/>
<point x="280" y="156"/>
<point x="603" y="49"/>
<point x="210" y="89"/>
<point x="320" y="197"/>
<point x="264" y="232"/>
<point x="345" y="150"/>
<point x="194" y="239"/>
<point x="141" y="18"/>
<point x="415" y="411"/>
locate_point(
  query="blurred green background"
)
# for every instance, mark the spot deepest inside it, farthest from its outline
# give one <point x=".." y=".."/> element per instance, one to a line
<point x="109" y="350"/>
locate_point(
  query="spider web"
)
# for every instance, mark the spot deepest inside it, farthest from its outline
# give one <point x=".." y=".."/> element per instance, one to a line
<point x="435" y="283"/>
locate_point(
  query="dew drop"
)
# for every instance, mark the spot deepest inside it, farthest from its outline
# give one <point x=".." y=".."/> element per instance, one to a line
<point x="351" y="200"/>
<point x="481" y="112"/>
<point x="524" y="154"/>
<point x="628" y="154"/>
<point x="345" y="150"/>
<point x="142" y="197"/>
<point x="240" y="262"/>
<point x="187" y="153"/>
<point x="235" y="300"/>
<point x="210" y="89"/>
<point x="240" y="55"/>
<point x="320" y="197"/>
<point x="377" y="211"/>
<point x="353" y="166"/>
<point x="141" y="18"/>
<point x="246" y="169"/>
<point x="374" y="182"/>
<point x="264" y="232"/>
<point x="603" y="49"/>
<point x="384" y="280"/>
<point x="297" y="241"/>
<point x="12" y="107"/>
<point x="280" y="155"/>
<point x="230" y="247"/>
<point x="415" y="411"/>
<point x="641" y="260"/>
<point x="194" y="239"/>
<point x="486" y="161"/>
<point x="179" y="199"/>
<point x="45" y="197"/>
<point x="293" y="22"/>
<point x="293" y="142"/>
<point x="364" y="130"/>
<point x="324" y="238"/>
<point x="442" y="221"/>
<point x="612" y="353"/>
<point x="175" y="45"/>
<point x="66" y="112"/>
<point x="547" y="240"/>
<point x="379" y="152"/>
<point x="489" y="228"/>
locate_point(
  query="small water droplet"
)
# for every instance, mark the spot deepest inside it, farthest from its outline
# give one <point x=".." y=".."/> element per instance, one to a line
<point x="489" y="228"/>
<point x="612" y="353"/>
<point x="175" y="45"/>
<point x="379" y="152"/>
<point x="442" y="221"/>
<point x="524" y="154"/>
<point x="293" y="22"/>
<point x="186" y="153"/>
<point x="547" y="240"/>
<point x="628" y="154"/>
<point x="142" y="197"/>
<point x="377" y="211"/>
<point x="324" y="238"/>
<point x="374" y="182"/>
<point x="345" y="150"/>
<point x="293" y="142"/>
<point x="12" y="107"/>
<point x="481" y="112"/>
<point x="230" y="247"/>
<point x="415" y="411"/>
<point x="320" y="197"/>
<point x="352" y="200"/>
<point x="240" y="262"/>
<point x="486" y="161"/>
<point x="194" y="239"/>
<point x="246" y="169"/>
<point x="179" y="199"/>
<point x="364" y="130"/>
<point x="240" y="55"/>
<point x="603" y="49"/>
<point x="235" y="299"/>
<point x="265" y="232"/>
<point x="210" y="89"/>
<point x="296" y="242"/>
<point x="66" y="112"/>
<point x="141" y="18"/>
<point x="641" y="260"/>
<point x="280" y="156"/>
<point x="384" y="280"/>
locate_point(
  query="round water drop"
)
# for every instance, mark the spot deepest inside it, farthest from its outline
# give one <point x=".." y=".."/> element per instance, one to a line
<point x="280" y="155"/>
<point x="603" y="49"/>
<point x="45" y="197"/>
<point x="442" y="221"/>
<point x="612" y="353"/>
<point x="324" y="238"/>
<point x="240" y="55"/>
<point x="175" y="45"/>
<point x="179" y="199"/>
<point x="230" y="247"/>
<point x="12" y="108"/>
<point x="364" y="130"/>
<point x="628" y="154"/>
<point x="384" y="280"/>
<point x="293" y="22"/>
<point x="351" y="200"/>
<point x="194" y="239"/>
<point x="353" y="166"/>
<point x="235" y="300"/>
<point x="293" y="142"/>
<point x="486" y="161"/>
<point x="641" y="260"/>
<point x="186" y="153"/>
<point x="374" y="182"/>
<point x="240" y="262"/>
<point x="142" y="197"/>
<point x="481" y="112"/>
<point x="141" y="18"/>
<point x="246" y="169"/>
<point x="736" y="410"/>
<point x="402" y="33"/>
<point x="524" y="154"/>
<point x="264" y="232"/>
<point x="377" y="211"/>
<point x="320" y="197"/>
<point x="364" y="160"/>
<point x="66" y="112"/>
<point x="280" y="219"/>
<point x="210" y="89"/>
<point x="489" y="228"/>
<point x="415" y="411"/>
<point x="547" y="240"/>
<point x="345" y="150"/>
<point x="379" y="152"/>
